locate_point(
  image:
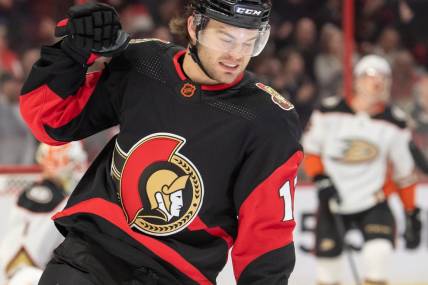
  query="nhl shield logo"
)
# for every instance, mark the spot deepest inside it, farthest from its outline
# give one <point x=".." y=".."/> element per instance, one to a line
<point x="161" y="191"/>
<point x="188" y="90"/>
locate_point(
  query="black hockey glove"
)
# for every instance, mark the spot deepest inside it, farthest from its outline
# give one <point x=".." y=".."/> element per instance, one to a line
<point x="326" y="189"/>
<point x="91" y="29"/>
<point x="412" y="234"/>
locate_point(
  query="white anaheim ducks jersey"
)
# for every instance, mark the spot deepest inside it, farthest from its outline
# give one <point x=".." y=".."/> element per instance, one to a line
<point x="356" y="150"/>
<point x="32" y="236"/>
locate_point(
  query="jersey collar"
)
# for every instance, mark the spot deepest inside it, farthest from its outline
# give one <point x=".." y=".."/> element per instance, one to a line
<point x="217" y="87"/>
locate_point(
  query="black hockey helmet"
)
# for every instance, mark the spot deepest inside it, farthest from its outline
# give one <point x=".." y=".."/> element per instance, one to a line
<point x="249" y="14"/>
<point x="241" y="14"/>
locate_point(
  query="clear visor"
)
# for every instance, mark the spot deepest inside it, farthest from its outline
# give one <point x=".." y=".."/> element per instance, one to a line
<point x="227" y="38"/>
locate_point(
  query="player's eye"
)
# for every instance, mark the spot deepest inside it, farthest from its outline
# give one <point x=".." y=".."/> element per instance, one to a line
<point x="226" y="40"/>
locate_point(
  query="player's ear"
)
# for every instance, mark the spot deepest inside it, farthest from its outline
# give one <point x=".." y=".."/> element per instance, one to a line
<point x="191" y="29"/>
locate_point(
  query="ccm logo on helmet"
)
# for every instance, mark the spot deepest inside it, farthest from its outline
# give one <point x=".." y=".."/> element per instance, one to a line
<point x="246" y="11"/>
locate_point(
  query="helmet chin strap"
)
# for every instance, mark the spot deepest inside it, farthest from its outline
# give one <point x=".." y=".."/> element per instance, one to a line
<point x="193" y="49"/>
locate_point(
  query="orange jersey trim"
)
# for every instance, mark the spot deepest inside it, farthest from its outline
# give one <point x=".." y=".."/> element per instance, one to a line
<point x="312" y="165"/>
<point x="407" y="196"/>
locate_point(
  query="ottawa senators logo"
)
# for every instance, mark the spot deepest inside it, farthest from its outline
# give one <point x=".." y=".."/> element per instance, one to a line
<point x="161" y="191"/>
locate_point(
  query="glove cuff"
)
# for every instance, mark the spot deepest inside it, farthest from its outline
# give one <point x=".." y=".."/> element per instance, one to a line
<point x="82" y="56"/>
<point x="323" y="181"/>
<point x="414" y="212"/>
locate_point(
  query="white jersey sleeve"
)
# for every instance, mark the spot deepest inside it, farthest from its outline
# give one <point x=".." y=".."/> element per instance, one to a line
<point x="401" y="158"/>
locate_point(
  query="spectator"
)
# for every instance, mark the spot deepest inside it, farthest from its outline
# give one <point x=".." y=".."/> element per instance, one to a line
<point x="388" y="44"/>
<point x="305" y="42"/>
<point x="162" y="33"/>
<point x="136" y="19"/>
<point x="8" y="59"/>
<point x="403" y="77"/>
<point x="419" y="109"/>
<point x="413" y="17"/>
<point x="328" y="63"/>
<point x="331" y="13"/>
<point x="267" y="67"/>
<point x="294" y="82"/>
<point x="29" y="57"/>
<point x="17" y="144"/>
<point x="168" y="9"/>
<point x="45" y="31"/>
<point x="419" y="113"/>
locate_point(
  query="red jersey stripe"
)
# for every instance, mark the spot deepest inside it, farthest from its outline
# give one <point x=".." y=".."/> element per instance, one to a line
<point x="114" y="214"/>
<point x="197" y="225"/>
<point x="261" y="225"/>
<point x="42" y="106"/>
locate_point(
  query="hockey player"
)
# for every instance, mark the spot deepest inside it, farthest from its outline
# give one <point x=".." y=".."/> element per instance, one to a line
<point x="349" y="146"/>
<point x="31" y="236"/>
<point x="206" y="156"/>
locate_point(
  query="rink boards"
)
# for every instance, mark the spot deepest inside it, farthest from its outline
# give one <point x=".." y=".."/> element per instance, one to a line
<point x="407" y="267"/>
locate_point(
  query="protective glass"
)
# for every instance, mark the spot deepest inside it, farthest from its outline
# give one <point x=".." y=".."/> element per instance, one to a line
<point x="227" y="38"/>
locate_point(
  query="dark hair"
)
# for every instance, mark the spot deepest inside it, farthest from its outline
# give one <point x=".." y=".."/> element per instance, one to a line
<point x="223" y="11"/>
<point x="178" y="24"/>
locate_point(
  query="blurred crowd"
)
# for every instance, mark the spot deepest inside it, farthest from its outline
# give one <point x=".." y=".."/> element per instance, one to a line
<point x="303" y="59"/>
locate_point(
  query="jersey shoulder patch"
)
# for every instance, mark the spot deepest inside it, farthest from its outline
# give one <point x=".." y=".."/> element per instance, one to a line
<point x="41" y="197"/>
<point x="276" y="98"/>
<point x="273" y="120"/>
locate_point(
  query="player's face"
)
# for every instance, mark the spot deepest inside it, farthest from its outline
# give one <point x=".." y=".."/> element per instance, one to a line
<point x="374" y="87"/>
<point x="176" y="203"/>
<point x="225" y="50"/>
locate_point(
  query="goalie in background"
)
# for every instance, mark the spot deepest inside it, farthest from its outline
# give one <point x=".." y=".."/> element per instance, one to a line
<point x="32" y="236"/>
<point x="349" y="145"/>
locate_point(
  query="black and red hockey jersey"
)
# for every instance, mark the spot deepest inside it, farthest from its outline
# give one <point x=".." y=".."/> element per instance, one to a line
<point x="194" y="170"/>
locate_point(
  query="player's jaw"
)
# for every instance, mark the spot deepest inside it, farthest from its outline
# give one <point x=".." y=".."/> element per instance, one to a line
<point x="223" y="67"/>
<point x="374" y="89"/>
<point x="228" y="69"/>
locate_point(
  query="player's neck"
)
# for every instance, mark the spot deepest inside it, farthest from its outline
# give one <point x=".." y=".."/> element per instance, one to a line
<point x="194" y="71"/>
<point x="360" y="104"/>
